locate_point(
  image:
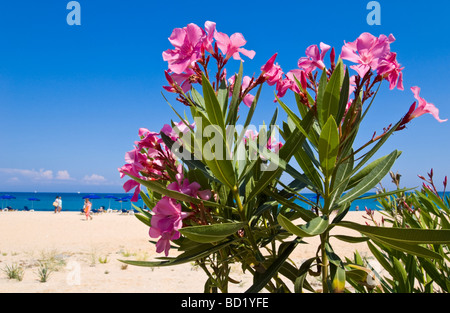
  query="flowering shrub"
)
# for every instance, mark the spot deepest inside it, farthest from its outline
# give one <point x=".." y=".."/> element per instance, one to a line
<point x="403" y="272"/>
<point x="214" y="185"/>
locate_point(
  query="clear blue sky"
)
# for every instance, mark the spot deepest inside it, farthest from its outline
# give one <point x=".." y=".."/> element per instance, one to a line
<point x="72" y="98"/>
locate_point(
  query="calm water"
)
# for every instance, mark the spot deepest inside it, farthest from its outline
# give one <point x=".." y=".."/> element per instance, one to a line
<point x="70" y="201"/>
<point x="74" y="201"/>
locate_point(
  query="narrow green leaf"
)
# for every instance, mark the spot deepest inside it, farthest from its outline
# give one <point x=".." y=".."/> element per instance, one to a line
<point x="162" y="190"/>
<point x="344" y="96"/>
<point x="264" y="278"/>
<point x="328" y="146"/>
<point x="371" y="179"/>
<point x="313" y="228"/>
<point x="212" y="105"/>
<point x="330" y="103"/>
<point x="196" y="253"/>
<point x="210" y="233"/>
<point x="405" y="235"/>
<point x="351" y="239"/>
<point x="355" y="179"/>
<point x="306" y="215"/>
<point x="320" y="95"/>
<point x="293" y="143"/>
<point x="235" y="98"/>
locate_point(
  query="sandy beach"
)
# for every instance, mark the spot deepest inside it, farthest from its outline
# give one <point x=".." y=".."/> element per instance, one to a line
<point x="85" y="255"/>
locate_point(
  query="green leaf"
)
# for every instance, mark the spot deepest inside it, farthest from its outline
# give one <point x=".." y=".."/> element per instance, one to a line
<point x="320" y="95"/>
<point x="235" y="98"/>
<point x="355" y="179"/>
<point x="265" y="277"/>
<point x="328" y="146"/>
<point x="413" y="249"/>
<point x="351" y="239"/>
<point x="210" y="233"/>
<point x="157" y="187"/>
<point x="196" y="253"/>
<point x="330" y="103"/>
<point x="212" y="105"/>
<point x="375" y="148"/>
<point x="293" y="143"/>
<point x="403" y="235"/>
<point x="371" y="179"/>
<point x="313" y="228"/>
<point x="341" y="179"/>
<point x="306" y="215"/>
<point x="222" y="96"/>
<point x="344" y="96"/>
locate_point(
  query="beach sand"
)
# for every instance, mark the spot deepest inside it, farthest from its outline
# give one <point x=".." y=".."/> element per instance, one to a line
<point x="85" y="255"/>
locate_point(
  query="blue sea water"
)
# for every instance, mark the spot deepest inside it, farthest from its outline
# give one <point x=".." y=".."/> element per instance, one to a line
<point x="74" y="201"/>
<point x="70" y="201"/>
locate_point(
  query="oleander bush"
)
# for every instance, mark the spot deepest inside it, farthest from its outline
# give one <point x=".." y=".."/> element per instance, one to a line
<point x="216" y="185"/>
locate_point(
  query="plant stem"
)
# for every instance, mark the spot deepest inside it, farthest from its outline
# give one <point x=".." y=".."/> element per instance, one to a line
<point x="248" y="231"/>
<point x="324" y="239"/>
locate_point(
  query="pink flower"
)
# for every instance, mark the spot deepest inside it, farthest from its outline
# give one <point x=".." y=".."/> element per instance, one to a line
<point x="422" y="108"/>
<point x="250" y="134"/>
<point x="290" y="83"/>
<point x="390" y="69"/>
<point x="130" y="184"/>
<point x="272" y="144"/>
<point x="283" y="86"/>
<point x="314" y="58"/>
<point x="191" y="189"/>
<point x="183" y="186"/>
<point x="210" y="28"/>
<point x="173" y="132"/>
<point x="232" y="46"/>
<point x="148" y="139"/>
<point x="165" y="222"/>
<point x="367" y="51"/>
<point x="272" y="72"/>
<point x="182" y="80"/>
<point x="248" y="98"/>
<point x="188" y="42"/>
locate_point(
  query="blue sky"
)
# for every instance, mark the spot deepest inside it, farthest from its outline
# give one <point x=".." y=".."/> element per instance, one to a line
<point x="72" y="98"/>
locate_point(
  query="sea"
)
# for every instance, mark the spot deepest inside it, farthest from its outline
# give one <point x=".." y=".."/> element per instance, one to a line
<point x="71" y="202"/>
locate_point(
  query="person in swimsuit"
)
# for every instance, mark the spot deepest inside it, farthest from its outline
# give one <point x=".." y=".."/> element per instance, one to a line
<point x="87" y="208"/>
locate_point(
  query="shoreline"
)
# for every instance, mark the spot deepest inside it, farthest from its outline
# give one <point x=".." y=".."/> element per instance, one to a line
<point x="91" y="250"/>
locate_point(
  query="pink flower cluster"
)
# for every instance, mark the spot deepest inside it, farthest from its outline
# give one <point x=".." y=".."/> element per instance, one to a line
<point x="190" y="46"/>
<point x="374" y="53"/>
<point x="168" y="216"/>
<point x="151" y="159"/>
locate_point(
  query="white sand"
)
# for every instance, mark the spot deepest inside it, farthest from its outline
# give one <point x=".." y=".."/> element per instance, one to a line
<point x="77" y="245"/>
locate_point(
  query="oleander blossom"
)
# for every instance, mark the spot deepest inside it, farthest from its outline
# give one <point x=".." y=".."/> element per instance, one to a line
<point x="390" y="69"/>
<point x="367" y="50"/>
<point x="232" y="46"/>
<point x="272" y="72"/>
<point x="168" y="215"/>
<point x="188" y="43"/>
<point x="246" y="81"/>
<point x="167" y="219"/>
<point x="419" y="109"/>
<point x="314" y="58"/>
<point x="150" y="159"/>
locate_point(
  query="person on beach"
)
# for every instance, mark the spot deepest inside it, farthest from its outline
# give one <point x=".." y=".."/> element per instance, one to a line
<point x="55" y="204"/>
<point x="59" y="200"/>
<point x="87" y="208"/>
